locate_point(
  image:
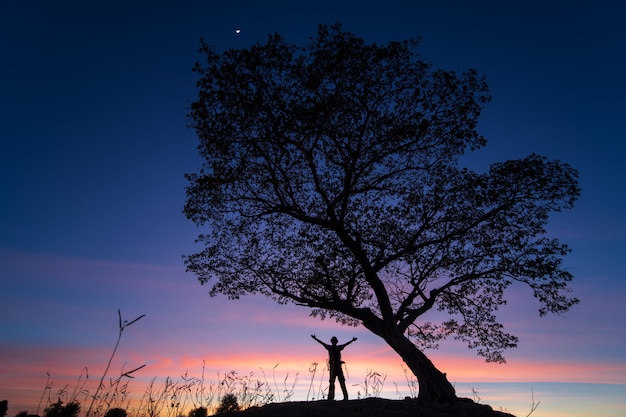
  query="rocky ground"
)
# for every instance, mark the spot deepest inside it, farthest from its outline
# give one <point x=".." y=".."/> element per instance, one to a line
<point x="373" y="407"/>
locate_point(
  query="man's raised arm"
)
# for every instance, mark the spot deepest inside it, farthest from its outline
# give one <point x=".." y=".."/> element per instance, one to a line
<point x="348" y="342"/>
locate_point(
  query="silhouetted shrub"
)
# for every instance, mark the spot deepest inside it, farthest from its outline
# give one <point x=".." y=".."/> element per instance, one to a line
<point x="57" y="409"/>
<point x="116" y="412"/>
<point x="199" y="412"/>
<point x="22" y="414"/>
<point x="228" y="405"/>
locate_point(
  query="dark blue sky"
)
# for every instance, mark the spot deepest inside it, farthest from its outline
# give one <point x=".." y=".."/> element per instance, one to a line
<point x="94" y="101"/>
<point x="93" y="148"/>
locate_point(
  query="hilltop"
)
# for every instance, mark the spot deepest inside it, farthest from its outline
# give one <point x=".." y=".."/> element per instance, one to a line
<point x="373" y="407"/>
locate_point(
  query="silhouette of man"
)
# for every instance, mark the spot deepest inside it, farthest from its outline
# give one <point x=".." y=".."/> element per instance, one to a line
<point x="334" y="363"/>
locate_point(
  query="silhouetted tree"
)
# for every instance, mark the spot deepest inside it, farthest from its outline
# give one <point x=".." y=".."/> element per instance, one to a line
<point x="57" y="409"/>
<point x="332" y="180"/>
<point x="116" y="412"/>
<point x="4" y="406"/>
<point x="228" y="405"/>
<point x="22" y="414"/>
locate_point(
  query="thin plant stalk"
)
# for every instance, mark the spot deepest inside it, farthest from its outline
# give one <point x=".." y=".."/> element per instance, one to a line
<point x="47" y="387"/>
<point x="122" y="326"/>
<point x="312" y="371"/>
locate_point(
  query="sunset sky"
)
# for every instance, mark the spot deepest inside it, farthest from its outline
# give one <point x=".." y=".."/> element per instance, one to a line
<point x="93" y="149"/>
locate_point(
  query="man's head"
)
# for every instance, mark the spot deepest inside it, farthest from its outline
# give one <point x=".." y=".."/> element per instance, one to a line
<point x="333" y="340"/>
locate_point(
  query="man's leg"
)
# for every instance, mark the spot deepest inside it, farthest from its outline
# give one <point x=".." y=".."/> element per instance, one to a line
<point x="342" y="382"/>
<point x="331" y="385"/>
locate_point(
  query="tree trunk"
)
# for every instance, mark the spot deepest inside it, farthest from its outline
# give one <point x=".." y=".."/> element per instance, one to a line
<point x="433" y="384"/>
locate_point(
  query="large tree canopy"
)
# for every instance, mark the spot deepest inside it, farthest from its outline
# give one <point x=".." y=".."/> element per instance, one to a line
<point x="331" y="179"/>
